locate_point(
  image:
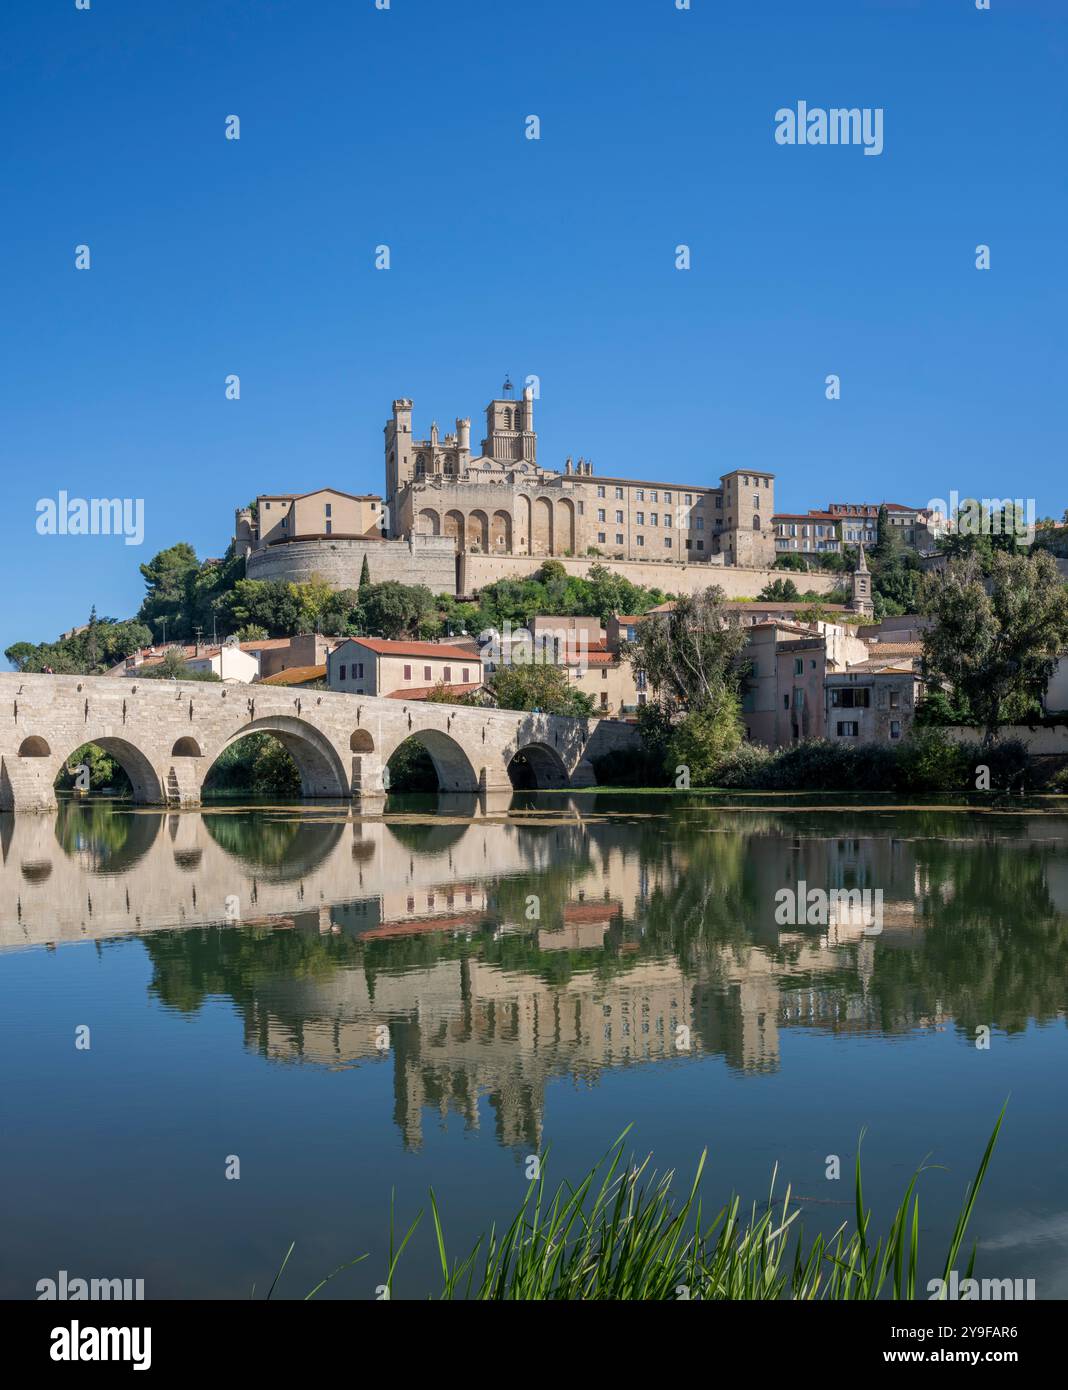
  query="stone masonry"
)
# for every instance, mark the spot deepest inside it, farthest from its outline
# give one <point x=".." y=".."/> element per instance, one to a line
<point x="167" y="734"/>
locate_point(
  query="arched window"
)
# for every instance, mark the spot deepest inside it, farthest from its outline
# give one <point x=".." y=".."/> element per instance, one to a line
<point x="756" y="523"/>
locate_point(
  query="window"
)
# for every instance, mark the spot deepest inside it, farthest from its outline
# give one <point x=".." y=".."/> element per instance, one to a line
<point x="799" y="698"/>
<point x="667" y="542"/>
<point x="848" y="728"/>
<point x="719" y="503"/>
<point x="895" y="699"/>
<point x="600" y="514"/>
<point x="604" y="673"/>
<point x="619" y="538"/>
<point x="466" y="675"/>
<point x="641" y="494"/>
<point x="426" y="673"/>
<point x="688" y="499"/>
<point x="700" y="545"/>
<point x="341" y="673"/>
<point x="329" y="528"/>
<point x="640" y="541"/>
<point x="667" y="518"/>
<point x="895" y="728"/>
<point x="357" y="671"/>
<point x="407" y="673"/>
<point x="700" y="523"/>
<point x="786" y="702"/>
<point x="619" y="494"/>
<point x="619" y="518"/>
<point x="604" y="699"/>
<point x="849" y="698"/>
<point x="640" y="518"/>
<point x="667" y="496"/>
<point x="448" y="674"/>
<point x="600" y="538"/>
<point x="654" y="518"/>
<point x="756" y="499"/>
<point x="799" y="665"/>
<point x="582" y="508"/>
<point x="600" y="489"/>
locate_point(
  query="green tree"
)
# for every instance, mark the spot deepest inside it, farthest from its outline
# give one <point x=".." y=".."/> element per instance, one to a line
<point x="994" y="643"/>
<point x="393" y="610"/>
<point x="692" y="652"/>
<point x="541" y="687"/>
<point x="781" y="590"/>
<point x="365" y="574"/>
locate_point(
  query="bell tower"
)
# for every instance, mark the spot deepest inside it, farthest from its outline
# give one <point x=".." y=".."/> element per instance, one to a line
<point x="510" y="433"/>
<point x="861" y="601"/>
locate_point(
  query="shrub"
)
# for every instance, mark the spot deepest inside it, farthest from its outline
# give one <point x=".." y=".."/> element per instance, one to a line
<point x="929" y="762"/>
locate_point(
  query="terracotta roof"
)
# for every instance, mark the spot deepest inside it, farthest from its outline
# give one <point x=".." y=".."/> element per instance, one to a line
<point x="295" y="675"/>
<point x="424" y="649"/>
<point x="420" y="692"/>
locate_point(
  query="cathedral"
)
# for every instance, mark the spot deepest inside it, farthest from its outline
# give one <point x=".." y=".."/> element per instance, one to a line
<point x="502" y="502"/>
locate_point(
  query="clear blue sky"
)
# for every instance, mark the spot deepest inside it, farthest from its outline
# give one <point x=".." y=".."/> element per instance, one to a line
<point x="555" y="257"/>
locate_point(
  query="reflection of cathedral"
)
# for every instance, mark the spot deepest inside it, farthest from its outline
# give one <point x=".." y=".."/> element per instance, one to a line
<point x="408" y="943"/>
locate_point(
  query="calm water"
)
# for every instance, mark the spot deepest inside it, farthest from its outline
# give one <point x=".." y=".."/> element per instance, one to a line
<point x="350" y="1006"/>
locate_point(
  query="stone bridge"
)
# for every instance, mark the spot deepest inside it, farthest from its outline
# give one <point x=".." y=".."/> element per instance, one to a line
<point x="167" y="734"/>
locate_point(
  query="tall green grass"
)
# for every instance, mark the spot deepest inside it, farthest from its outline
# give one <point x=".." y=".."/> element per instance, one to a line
<point x="621" y="1234"/>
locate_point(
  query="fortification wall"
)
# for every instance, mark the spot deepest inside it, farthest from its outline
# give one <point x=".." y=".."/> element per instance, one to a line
<point x="476" y="571"/>
<point x="429" y="560"/>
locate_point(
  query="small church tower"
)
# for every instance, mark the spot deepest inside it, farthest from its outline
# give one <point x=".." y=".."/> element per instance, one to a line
<point x="861" y="602"/>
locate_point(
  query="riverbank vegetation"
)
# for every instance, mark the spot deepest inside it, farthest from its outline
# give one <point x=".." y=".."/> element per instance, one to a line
<point x="620" y="1235"/>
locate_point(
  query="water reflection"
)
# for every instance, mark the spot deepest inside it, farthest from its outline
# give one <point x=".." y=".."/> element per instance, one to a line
<point x="482" y="950"/>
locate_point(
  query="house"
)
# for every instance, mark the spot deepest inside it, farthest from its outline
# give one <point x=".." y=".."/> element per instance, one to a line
<point x="403" y="670"/>
<point x="871" y="703"/>
<point x="227" y="661"/>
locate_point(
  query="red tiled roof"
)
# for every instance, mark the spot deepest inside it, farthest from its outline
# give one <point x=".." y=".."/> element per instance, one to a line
<point x="420" y="692"/>
<point x="422" y="649"/>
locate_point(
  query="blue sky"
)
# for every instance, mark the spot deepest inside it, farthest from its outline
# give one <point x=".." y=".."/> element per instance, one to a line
<point x="553" y="257"/>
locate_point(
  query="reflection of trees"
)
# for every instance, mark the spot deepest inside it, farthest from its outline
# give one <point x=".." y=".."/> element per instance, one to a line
<point x="993" y="950"/>
<point x="240" y="961"/>
<point x="111" y="840"/>
<point x="285" y="847"/>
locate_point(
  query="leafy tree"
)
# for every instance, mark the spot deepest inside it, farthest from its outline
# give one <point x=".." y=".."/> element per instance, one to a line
<point x="393" y="610"/>
<point x="790" y="560"/>
<point x="541" y="687"/>
<point x="781" y="590"/>
<point x="252" y="632"/>
<point x="994" y="645"/>
<point x="704" y="736"/>
<point x="691" y="653"/>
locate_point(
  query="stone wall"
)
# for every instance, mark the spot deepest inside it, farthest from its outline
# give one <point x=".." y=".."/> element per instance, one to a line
<point x="476" y="571"/>
<point x="429" y="560"/>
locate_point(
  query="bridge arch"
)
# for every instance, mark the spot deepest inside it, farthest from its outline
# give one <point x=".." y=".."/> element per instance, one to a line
<point x="455" y="770"/>
<point x="135" y="762"/>
<point x="34" y="747"/>
<point x="322" y="774"/>
<point x="186" y="747"/>
<point x="539" y="766"/>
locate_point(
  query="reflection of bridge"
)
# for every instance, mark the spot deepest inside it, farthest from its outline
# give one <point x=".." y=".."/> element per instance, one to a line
<point x="167" y="734"/>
